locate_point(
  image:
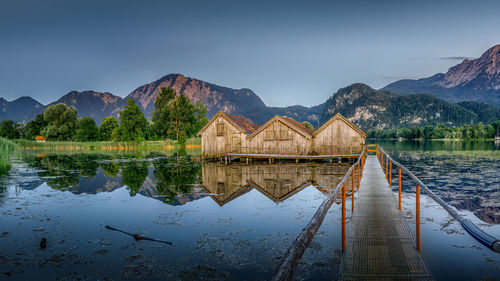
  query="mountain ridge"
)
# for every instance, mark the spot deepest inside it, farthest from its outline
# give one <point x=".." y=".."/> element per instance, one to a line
<point x="471" y="80"/>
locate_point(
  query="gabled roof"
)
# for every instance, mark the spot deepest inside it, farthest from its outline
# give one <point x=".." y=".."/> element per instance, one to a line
<point x="282" y="197"/>
<point x="293" y="124"/>
<point x="40" y="138"/>
<point x="339" y="116"/>
<point x="243" y="124"/>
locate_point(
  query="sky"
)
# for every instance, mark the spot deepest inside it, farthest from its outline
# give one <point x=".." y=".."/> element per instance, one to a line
<point x="288" y="52"/>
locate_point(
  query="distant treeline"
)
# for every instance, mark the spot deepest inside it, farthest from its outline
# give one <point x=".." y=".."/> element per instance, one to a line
<point x="440" y="131"/>
<point x="175" y="117"/>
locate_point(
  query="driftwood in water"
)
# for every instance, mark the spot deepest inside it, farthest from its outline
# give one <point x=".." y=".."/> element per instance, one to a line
<point x="289" y="263"/>
<point x="137" y="236"/>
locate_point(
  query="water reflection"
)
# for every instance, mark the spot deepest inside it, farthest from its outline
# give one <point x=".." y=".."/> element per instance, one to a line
<point x="178" y="180"/>
<point x="276" y="181"/>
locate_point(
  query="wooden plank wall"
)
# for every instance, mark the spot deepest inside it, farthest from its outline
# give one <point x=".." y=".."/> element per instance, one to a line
<point x="213" y="145"/>
<point x="278" y="138"/>
<point x="341" y="137"/>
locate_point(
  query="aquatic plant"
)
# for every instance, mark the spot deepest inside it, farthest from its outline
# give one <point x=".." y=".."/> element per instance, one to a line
<point x="7" y="148"/>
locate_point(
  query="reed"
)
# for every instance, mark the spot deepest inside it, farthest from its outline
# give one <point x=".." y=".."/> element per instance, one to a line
<point x="99" y="145"/>
<point x="7" y="148"/>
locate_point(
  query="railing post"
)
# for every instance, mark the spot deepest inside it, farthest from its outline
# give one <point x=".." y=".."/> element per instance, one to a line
<point x="353" y="188"/>
<point x="386" y="166"/>
<point x="417" y="216"/>
<point x="390" y="175"/>
<point x="343" y="218"/>
<point x="399" y="188"/>
<point x="359" y="163"/>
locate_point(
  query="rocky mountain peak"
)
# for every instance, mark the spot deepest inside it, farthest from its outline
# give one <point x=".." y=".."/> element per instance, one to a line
<point x="487" y="66"/>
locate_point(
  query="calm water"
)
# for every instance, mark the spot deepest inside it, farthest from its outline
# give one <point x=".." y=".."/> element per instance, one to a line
<point x="229" y="222"/>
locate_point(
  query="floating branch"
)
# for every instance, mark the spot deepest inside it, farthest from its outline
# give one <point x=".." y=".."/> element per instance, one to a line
<point x="137" y="236"/>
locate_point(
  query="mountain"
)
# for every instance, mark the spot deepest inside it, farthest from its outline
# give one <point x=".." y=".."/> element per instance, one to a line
<point x="486" y="113"/>
<point x="471" y="80"/>
<point x="376" y="109"/>
<point x="22" y="109"/>
<point x="93" y="104"/>
<point x="213" y="96"/>
<point x="217" y="98"/>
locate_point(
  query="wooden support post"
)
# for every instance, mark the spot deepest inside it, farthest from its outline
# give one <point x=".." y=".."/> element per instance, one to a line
<point x="247" y="160"/>
<point x="225" y="159"/>
<point x="382" y="161"/>
<point x="343" y="218"/>
<point x="297" y="160"/>
<point x="359" y="163"/>
<point x="390" y="175"/>
<point x="229" y="159"/>
<point x="417" y="216"/>
<point x="399" y="188"/>
<point x="386" y="166"/>
<point x="270" y="160"/>
<point x="353" y="188"/>
<point x="331" y="160"/>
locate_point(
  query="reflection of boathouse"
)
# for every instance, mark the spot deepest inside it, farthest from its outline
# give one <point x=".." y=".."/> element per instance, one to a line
<point x="277" y="182"/>
<point x="228" y="135"/>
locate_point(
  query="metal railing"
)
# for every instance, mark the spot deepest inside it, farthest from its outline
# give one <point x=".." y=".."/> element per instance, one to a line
<point x="287" y="267"/>
<point x="484" y="238"/>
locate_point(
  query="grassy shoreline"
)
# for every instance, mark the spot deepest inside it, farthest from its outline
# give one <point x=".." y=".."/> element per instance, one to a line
<point x="7" y="148"/>
<point x="107" y="145"/>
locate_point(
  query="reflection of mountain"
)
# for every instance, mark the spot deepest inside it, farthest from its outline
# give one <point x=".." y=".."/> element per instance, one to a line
<point x="278" y="182"/>
<point x="171" y="180"/>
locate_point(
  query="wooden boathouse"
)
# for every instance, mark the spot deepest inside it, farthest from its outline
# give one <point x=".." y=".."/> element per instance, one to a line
<point x="227" y="135"/>
<point x="338" y="136"/>
<point x="280" y="135"/>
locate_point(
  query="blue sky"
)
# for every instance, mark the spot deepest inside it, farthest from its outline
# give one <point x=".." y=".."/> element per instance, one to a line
<point x="288" y="52"/>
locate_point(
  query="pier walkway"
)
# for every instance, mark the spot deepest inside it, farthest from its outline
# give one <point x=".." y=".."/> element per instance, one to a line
<point x="380" y="244"/>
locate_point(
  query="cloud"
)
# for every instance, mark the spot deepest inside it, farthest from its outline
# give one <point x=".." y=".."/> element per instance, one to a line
<point x="399" y="77"/>
<point x="457" y="58"/>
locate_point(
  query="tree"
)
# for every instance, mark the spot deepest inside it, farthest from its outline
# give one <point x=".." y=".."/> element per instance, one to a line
<point x="161" y="114"/>
<point x="134" y="175"/>
<point x="308" y="125"/>
<point x="61" y="122"/>
<point x="34" y="127"/>
<point x="107" y="126"/>
<point x="176" y="117"/>
<point x="7" y="129"/>
<point x="200" y="114"/>
<point x="133" y="124"/>
<point x="87" y="130"/>
<point x="182" y="117"/>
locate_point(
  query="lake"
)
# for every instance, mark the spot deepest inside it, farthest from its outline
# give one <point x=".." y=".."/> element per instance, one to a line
<point x="225" y="222"/>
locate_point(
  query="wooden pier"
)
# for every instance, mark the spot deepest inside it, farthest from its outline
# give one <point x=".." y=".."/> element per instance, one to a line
<point x="380" y="244"/>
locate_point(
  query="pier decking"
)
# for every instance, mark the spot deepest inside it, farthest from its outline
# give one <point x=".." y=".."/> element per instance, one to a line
<point x="380" y="244"/>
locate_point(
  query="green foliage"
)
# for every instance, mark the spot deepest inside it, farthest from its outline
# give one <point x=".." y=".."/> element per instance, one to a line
<point x="7" y="148"/>
<point x="176" y="117"/>
<point x="61" y="122"/>
<point x="87" y="130"/>
<point x="308" y="125"/>
<point x="7" y="129"/>
<point x="173" y="179"/>
<point x="108" y="125"/>
<point x="162" y="112"/>
<point x="440" y="131"/>
<point x="34" y="127"/>
<point x="133" y="124"/>
<point x="134" y="175"/>
<point x="110" y="169"/>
